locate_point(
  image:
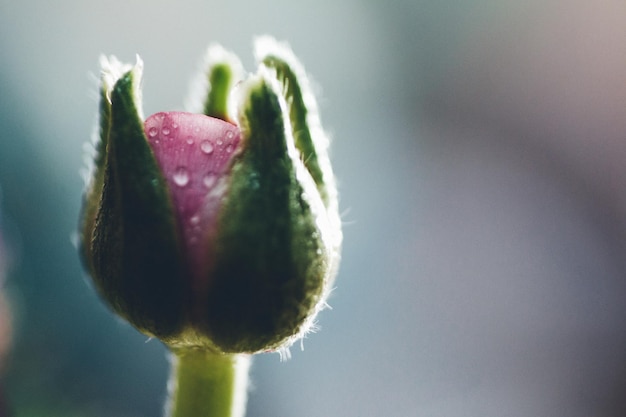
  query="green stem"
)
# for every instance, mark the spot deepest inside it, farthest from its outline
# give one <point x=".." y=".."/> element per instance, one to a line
<point x="207" y="384"/>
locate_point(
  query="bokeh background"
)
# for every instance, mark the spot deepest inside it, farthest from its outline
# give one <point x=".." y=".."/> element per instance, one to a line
<point x="480" y="147"/>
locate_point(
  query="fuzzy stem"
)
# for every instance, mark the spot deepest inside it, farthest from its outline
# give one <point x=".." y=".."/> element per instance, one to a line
<point x="207" y="384"/>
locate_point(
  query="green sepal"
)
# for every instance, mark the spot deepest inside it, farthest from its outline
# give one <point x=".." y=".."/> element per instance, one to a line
<point x="134" y="253"/>
<point x="93" y="193"/>
<point x="309" y="137"/>
<point x="220" y="79"/>
<point x="294" y="91"/>
<point x="223" y="70"/>
<point x="269" y="271"/>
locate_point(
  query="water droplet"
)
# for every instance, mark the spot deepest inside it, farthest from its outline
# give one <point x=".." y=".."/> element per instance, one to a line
<point x="206" y="147"/>
<point x="229" y="148"/>
<point x="230" y="134"/>
<point x="166" y="131"/>
<point x="189" y="140"/>
<point x="181" y="177"/>
<point x="194" y="220"/>
<point x="209" y="180"/>
<point x="152" y="132"/>
<point x="220" y="141"/>
<point x="174" y="126"/>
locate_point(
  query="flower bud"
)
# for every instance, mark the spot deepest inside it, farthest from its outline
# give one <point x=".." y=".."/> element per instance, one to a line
<point x="217" y="230"/>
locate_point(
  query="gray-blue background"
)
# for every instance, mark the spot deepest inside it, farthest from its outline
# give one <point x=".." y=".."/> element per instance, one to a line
<point x="480" y="148"/>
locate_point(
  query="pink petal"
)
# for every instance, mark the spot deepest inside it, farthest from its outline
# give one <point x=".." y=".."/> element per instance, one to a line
<point x="194" y="152"/>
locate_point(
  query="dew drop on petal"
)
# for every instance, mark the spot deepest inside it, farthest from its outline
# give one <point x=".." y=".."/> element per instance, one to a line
<point x="166" y="131"/>
<point x="209" y="180"/>
<point x="206" y="147"/>
<point x="229" y="134"/>
<point x="194" y="220"/>
<point x="189" y="140"/>
<point x="152" y="132"/>
<point x="229" y="148"/>
<point x="181" y="177"/>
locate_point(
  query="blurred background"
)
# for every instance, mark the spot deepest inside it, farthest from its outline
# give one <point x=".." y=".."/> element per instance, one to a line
<point x="480" y="147"/>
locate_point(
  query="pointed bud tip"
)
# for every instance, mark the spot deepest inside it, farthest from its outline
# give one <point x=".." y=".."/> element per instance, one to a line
<point x="112" y="70"/>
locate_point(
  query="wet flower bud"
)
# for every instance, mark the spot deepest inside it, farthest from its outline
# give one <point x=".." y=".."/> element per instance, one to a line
<point x="219" y="229"/>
